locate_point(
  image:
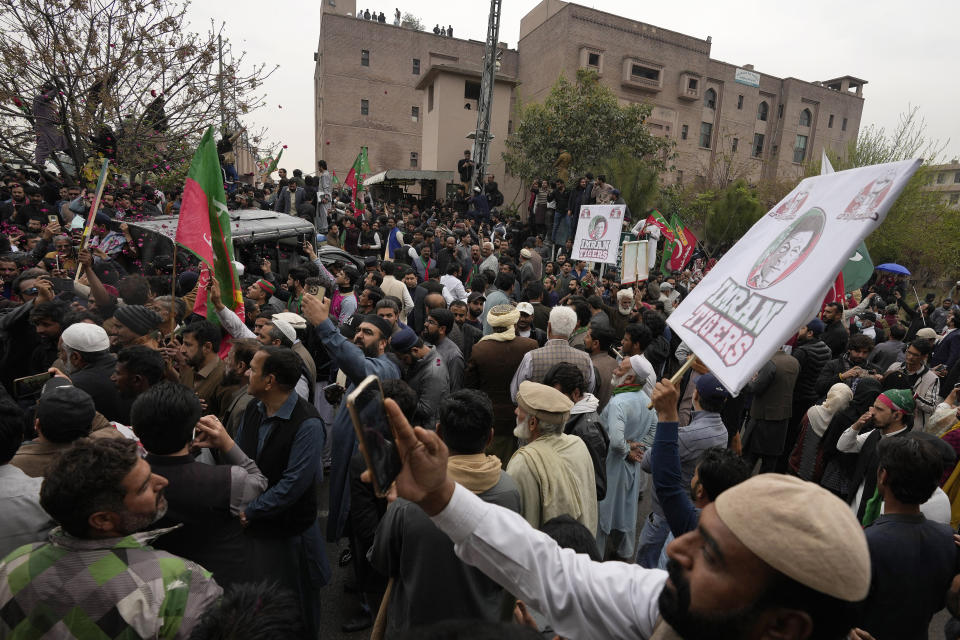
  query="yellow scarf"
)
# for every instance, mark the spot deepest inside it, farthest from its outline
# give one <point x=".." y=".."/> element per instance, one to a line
<point x="477" y="472"/>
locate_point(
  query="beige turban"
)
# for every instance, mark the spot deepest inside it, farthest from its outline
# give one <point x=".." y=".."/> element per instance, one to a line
<point x="502" y="315"/>
<point x="802" y="531"/>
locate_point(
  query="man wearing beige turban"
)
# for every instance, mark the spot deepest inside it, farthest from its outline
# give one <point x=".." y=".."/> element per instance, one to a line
<point x="773" y="557"/>
<point x="492" y="363"/>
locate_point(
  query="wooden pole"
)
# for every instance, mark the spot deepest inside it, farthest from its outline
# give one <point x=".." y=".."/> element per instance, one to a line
<point x="678" y="376"/>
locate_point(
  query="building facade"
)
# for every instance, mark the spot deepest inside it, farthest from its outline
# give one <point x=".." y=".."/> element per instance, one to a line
<point x="410" y="96"/>
<point x="945" y="180"/>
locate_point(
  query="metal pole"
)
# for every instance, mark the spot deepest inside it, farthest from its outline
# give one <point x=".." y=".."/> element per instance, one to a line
<point x="481" y="147"/>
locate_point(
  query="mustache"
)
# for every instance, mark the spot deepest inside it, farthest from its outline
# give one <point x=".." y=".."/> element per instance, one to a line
<point x="681" y="586"/>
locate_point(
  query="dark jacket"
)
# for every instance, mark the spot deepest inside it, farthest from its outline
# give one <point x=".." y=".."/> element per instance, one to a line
<point x="830" y="374"/>
<point x="836" y="337"/>
<point x="490" y="369"/>
<point x="95" y="380"/>
<point x="429" y="378"/>
<point x="588" y="428"/>
<point x="812" y="356"/>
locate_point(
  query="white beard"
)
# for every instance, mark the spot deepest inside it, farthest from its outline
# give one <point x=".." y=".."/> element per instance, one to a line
<point x="522" y="430"/>
<point x="624" y="312"/>
<point x="616" y="380"/>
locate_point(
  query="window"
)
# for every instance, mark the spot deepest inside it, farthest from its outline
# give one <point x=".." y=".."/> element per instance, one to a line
<point x="679" y="177"/>
<point x="843" y="125"/>
<point x="647" y="73"/>
<point x="830" y="122"/>
<point x="757" y="145"/>
<point x="739" y="102"/>
<point x="734" y="145"/>
<point x="763" y="111"/>
<point x="593" y="60"/>
<point x="941" y="178"/>
<point x="415" y="114"/>
<point x="954" y="198"/>
<point x="956" y="177"/>
<point x="692" y="84"/>
<point x="416" y="66"/>
<point x="805" y="118"/>
<point x="364" y="58"/>
<point x="710" y="99"/>
<point x="706" y="133"/>
<point x="800" y="149"/>
<point x="773" y="151"/>
<point x="364" y="107"/>
<point x="414" y="159"/>
<point x="683" y="132"/>
<point x="780" y="112"/>
<point x="430" y="98"/>
<point x="471" y="90"/>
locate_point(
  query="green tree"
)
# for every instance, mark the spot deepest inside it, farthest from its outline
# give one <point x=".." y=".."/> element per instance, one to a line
<point x="635" y="179"/>
<point x="585" y="119"/>
<point x="730" y="216"/>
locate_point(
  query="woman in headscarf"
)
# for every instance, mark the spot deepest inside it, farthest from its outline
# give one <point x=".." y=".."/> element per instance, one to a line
<point x="838" y="466"/>
<point x="806" y="461"/>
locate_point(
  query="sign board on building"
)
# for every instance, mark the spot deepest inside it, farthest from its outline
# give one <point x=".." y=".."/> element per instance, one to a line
<point x="747" y="77"/>
<point x="774" y="279"/>
<point x="598" y="232"/>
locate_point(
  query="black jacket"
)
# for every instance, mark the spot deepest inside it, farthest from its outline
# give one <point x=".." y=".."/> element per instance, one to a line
<point x="812" y="356"/>
<point x="587" y="427"/>
<point x="836" y="337"/>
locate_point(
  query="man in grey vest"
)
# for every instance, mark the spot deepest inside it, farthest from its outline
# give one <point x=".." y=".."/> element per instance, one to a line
<point x="535" y="364"/>
<point x="324" y="195"/>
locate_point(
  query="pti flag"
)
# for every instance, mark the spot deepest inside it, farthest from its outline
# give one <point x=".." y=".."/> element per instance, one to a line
<point x="684" y="243"/>
<point x="773" y="280"/>
<point x="358" y="173"/>
<point x="273" y="165"/>
<point x="203" y="228"/>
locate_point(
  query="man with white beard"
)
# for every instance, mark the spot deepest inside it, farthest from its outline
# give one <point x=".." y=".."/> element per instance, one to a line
<point x="553" y="470"/>
<point x="630" y="426"/>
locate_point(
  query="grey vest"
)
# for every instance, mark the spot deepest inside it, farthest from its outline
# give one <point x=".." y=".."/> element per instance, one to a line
<point x="554" y="352"/>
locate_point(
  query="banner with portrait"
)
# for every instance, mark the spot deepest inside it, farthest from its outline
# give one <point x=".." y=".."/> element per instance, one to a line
<point x="598" y="233"/>
<point x="774" y="278"/>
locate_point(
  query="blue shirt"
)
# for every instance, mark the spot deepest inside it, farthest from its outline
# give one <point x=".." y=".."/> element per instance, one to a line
<point x="304" y="467"/>
<point x="674" y="498"/>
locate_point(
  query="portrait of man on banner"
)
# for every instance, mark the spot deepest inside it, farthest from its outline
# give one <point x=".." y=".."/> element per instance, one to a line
<point x="788" y="251"/>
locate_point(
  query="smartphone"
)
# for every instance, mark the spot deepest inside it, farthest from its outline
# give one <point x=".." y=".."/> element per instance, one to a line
<point x="317" y="291"/>
<point x="62" y="284"/>
<point x="52" y="219"/>
<point x="369" y="417"/>
<point x="30" y="386"/>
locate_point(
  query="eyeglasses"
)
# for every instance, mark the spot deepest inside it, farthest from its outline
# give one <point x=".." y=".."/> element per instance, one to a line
<point x="32" y="291"/>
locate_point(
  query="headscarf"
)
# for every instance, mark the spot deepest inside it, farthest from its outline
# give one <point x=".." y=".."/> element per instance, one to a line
<point x="502" y="315"/>
<point x="819" y="416"/>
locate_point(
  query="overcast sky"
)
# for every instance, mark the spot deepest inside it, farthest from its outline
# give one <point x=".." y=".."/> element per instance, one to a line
<point x="906" y="51"/>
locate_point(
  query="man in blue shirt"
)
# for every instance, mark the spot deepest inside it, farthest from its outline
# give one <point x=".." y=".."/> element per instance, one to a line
<point x="283" y="434"/>
<point x="358" y="359"/>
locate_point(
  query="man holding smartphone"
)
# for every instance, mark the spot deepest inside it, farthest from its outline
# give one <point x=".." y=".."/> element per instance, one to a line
<point x="364" y="356"/>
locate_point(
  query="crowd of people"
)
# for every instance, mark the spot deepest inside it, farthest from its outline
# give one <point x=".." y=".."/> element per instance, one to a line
<point x="162" y="468"/>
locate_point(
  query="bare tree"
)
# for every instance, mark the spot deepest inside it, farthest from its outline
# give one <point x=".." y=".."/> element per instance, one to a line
<point x="124" y="79"/>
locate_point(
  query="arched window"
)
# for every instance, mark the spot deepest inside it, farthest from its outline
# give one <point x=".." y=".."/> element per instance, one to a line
<point x="763" y="111"/>
<point x="710" y="99"/>
<point x="805" y="118"/>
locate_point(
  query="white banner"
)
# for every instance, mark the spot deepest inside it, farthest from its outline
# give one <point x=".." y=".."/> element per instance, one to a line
<point x="598" y="233"/>
<point x="634" y="262"/>
<point x="767" y="285"/>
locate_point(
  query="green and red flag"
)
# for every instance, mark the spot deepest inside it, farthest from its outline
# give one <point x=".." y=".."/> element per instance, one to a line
<point x="358" y="173"/>
<point x="203" y="228"/>
<point x="656" y="219"/>
<point x="683" y="245"/>
<point x="273" y="165"/>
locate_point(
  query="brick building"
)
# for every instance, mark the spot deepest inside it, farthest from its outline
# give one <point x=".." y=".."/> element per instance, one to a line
<point x="379" y="85"/>
<point x="945" y="179"/>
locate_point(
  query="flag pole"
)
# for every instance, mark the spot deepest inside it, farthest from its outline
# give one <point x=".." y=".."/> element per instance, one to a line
<point x="173" y="289"/>
<point x="85" y="241"/>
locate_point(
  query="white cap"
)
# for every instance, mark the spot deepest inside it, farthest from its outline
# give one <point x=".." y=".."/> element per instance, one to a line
<point x="642" y="369"/>
<point x="239" y="268"/>
<point x="665" y="285"/>
<point x="526" y="253"/>
<point x="294" y="320"/>
<point x="85" y="338"/>
<point x="288" y="331"/>
<point x="525" y="307"/>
